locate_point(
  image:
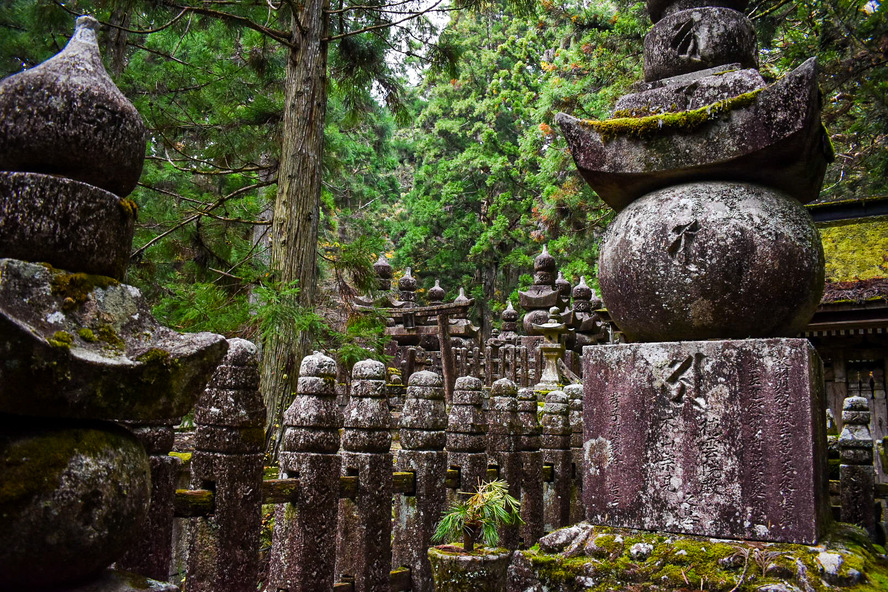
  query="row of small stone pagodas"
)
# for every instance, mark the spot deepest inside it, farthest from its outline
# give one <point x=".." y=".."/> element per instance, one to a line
<point x="550" y="298"/>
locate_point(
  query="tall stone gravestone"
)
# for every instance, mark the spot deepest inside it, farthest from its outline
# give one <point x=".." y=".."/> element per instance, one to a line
<point x="79" y="350"/>
<point x="711" y="421"/>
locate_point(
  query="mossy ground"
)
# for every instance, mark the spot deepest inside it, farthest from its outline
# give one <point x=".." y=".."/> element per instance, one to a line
<point x="682" y="563"/>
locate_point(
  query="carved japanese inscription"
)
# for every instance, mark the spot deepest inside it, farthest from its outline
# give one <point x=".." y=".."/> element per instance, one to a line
<point x="722" y="438"/>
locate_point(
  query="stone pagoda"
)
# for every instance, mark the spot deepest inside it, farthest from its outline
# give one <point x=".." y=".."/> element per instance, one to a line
<point x="711" y="421"/>
<point x="80" y="354"/>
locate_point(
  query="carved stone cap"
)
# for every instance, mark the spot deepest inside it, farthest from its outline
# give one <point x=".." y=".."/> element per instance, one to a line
<point x="319" y="365"/>
<point x="383" y="268"/>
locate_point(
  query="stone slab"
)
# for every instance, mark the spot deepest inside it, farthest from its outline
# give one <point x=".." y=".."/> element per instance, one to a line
<point x="718" y="438"/>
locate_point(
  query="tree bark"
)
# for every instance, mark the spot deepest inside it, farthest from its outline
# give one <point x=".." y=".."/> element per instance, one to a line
<point x="294" y="231"/>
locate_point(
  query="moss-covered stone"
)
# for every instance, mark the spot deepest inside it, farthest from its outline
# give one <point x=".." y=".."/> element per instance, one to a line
<point x="129" y="208"/>
<point x="678" y="563"/>
<point x="75" y="288"/>
<point x="652" y="125"/>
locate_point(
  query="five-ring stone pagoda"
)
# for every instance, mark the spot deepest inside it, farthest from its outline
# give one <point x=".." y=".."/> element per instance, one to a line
<point x="710" y="421"/>
<point x="90" y="384"/>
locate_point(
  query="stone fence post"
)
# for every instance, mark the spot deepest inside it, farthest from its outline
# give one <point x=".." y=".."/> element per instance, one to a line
<point x="423" y="422"/>
<point x="303" y="550"/>
<point x="502" y="442"/>
<point x="574" y="394"/>
<point x="364" y="546"/>
<point x="467" y="433"/>
<point x="228" y="460"/>
<point x="151" y="554"/>
<point x="531" y="460"/>
<point x="557" y="452"/>
<point x="856" y="471"/>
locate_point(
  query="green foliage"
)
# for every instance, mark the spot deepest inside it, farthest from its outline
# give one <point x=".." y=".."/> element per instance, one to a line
<point x="479" y="517"/>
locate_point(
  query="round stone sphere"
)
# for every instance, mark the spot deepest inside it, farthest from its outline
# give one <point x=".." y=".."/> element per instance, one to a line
<point x="71" y="499"/>
<point x="712" y="260"/>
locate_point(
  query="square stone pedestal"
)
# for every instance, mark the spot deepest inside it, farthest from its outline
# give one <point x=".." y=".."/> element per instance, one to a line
<point x="718" y="438"/>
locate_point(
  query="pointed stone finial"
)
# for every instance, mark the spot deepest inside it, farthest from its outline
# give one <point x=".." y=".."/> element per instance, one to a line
<point x="407" y="283"/>
<point x="436" y="294"/>
<point x="462" y="299"/>
<point x="510" y="315"/>
<point x="563" y="286"/>
<point x="383" y="268"/>
<point x="544" y="261"/>
<point x="66" y="117"/>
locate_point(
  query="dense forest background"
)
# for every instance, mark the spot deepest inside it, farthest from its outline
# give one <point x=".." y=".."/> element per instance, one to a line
<point x="438" y="144"/>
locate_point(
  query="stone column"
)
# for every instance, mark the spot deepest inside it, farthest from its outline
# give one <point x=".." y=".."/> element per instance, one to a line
<point x="303" y="550"/>
<point x="228" y="460"/>
<point x="364" y="546"/>
<point x="151" y="553"/>
<point x="856" y="471"/>
<point x="557" y="452"/>
<point x="502" y="443"/>
<point x="531" y="460"/>
<point x="423" y="422"/>
<point x="574" y="394"/>
<point x="467" y="434"/>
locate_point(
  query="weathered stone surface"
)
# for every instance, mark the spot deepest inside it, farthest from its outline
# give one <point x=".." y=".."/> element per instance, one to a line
<point x="689" y="95"/>
<point x="723" y="438"/>
<point x="659" y="8"/>
<point x="711" y="260"/>
<point x="66" y="117"/>
<point x="70" y="498"/>
<point x="773" y="138"/>
<point x="696" y="39"/>
<point x="68" y="224"/>
<point x="87" y="346"/>
<point x="481" y="572"/>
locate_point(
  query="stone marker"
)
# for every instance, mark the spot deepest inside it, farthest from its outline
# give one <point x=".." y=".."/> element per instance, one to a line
<point x="716" y="438"/>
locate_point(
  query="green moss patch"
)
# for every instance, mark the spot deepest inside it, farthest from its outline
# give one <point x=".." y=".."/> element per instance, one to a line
<point x="75" y="288"/>
<point x="679" y="563"/>
<point x="61" y="340"/>
<point x="685" y="121"/>
<point x="855" y="249"/>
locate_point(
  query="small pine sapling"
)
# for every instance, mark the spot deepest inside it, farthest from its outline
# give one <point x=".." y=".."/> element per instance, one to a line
<point x="479" y="517"/>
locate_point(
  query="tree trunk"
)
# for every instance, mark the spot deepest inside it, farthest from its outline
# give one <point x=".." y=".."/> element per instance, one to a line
<point x="294" y="231"/>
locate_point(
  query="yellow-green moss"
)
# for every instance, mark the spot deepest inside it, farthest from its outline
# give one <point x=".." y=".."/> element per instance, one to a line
<point x="61" y="340"/>
<point x="855" y="249"/>
<point x="74" y="288"/>
<point x="679" y="563"/>
<point x="185" y="457"/>
<point x="129" y="208"/>
<point x="684" y="121"/>
<point x="87" y="335"/>
<point x="107" y="334"/>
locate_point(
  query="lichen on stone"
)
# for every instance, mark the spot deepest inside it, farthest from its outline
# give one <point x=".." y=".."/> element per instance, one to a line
<point x="855" y="249"/>
<point x="129" y="208"/>
<point x="87" y="335"/>
<point x="685" y="121"/>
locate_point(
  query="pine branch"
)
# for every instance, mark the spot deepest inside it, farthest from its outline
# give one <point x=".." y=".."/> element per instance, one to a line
<point x="412" y="16"/>
<point x="281" y="37"/>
